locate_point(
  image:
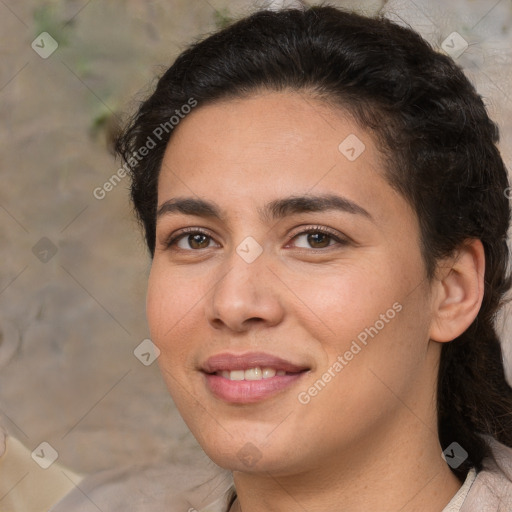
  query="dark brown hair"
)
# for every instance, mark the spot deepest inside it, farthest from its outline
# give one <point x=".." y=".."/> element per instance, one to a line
<point x="441" y="153"/>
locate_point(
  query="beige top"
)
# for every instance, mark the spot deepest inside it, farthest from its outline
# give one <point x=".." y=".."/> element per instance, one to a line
<point x="25" y="486"/>
<point x="457" y="501"/>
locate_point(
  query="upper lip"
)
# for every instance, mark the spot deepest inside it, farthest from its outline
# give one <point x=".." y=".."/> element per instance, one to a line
<point x="227" y="361"/>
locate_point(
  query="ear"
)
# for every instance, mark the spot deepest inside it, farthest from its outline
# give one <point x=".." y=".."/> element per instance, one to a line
<point x="458" y="291"/>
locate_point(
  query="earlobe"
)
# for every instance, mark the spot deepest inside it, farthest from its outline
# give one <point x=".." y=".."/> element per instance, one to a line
<point x="459" y="292"/>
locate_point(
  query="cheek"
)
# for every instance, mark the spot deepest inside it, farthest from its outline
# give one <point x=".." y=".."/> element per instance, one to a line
<point x="169" y="305"/>
<point x="170" y="301"/>
<point x="373" y="316"/>
<point x="369" y="362"/>
<point x="157" y="301"/>
<point x="345" y="301"/>
<point x="382" y="340"/>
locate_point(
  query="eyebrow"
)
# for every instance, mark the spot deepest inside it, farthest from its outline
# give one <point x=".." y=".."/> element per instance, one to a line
<point x="272" y="211"/>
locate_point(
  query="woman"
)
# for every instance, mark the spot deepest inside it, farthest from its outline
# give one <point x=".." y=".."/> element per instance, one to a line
<point x="326" y="213"/>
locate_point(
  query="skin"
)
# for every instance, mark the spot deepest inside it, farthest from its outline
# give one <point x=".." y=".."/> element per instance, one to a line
<point x="368" y="440"/>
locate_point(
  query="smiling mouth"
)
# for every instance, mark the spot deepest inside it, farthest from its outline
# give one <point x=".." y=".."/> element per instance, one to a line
<point x="250" y="377"/>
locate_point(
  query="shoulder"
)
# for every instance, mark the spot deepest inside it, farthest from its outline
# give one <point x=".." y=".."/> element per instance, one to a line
<point x="171" y="487"/>
<point x="492" y="488"/>
<point x="31" y="480"/>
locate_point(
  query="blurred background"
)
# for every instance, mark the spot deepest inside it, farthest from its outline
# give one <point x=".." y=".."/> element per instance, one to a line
<point x="73" y="263"/>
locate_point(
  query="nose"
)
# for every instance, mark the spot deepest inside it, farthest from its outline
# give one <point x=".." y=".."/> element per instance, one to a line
<point x="244" y="295"/>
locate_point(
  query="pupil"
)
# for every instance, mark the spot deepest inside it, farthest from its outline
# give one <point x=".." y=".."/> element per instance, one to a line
<point x="313" y="239"/>
<point x="195" y="239"/>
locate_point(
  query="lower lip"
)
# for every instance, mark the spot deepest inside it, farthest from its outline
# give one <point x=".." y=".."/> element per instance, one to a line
<point x="249" y="391"/>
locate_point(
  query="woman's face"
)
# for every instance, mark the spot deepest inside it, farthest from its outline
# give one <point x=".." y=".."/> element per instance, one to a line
<point x="306" y="263"/>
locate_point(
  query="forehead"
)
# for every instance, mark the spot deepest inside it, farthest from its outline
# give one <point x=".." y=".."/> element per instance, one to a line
<point x="273" y="144"/>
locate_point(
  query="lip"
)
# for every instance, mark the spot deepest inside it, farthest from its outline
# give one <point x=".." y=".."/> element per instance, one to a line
<point x="249" y="391"/>
<point x="229" y="361"/>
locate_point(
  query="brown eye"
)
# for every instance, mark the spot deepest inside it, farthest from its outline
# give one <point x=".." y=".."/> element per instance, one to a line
<point x="317" y="238"/>
<point x="190" y="240"/>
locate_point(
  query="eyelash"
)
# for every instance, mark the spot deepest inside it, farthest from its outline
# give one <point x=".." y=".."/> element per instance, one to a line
<point x="173" y="239"/>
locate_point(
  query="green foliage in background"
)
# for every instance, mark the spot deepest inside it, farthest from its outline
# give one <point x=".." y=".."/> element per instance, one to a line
<point x="223" y="18"/>
<point x="47" y="18"/>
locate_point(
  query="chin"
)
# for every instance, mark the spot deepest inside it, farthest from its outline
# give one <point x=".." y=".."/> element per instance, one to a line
<point x="249" y="455"/>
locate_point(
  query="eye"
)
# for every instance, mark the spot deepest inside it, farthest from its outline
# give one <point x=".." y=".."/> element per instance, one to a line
<point x="194" y="238"/>
<point x="319" y="238"/>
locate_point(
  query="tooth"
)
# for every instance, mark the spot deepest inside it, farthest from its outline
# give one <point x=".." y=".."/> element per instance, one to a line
<point x="253" y="374"/>
<point x="268" y="372"/>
